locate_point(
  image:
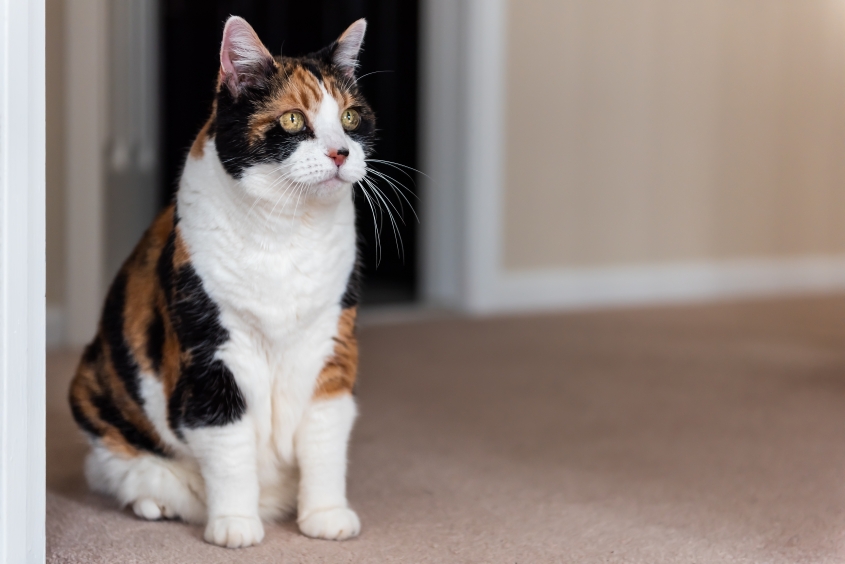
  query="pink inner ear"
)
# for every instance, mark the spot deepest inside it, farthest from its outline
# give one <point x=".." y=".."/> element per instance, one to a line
<point x="241" y="53"/>
<point x="225" y="57"/>
<point x="348" y="46"/>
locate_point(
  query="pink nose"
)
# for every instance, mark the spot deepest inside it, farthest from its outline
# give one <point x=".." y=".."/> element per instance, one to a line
<point x="339" y="156"/>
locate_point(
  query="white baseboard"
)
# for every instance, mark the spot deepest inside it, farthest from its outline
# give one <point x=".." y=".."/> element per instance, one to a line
<point x="579" y="288"/>
<point x="55" y="327"/>
<point x="614" y="286"/>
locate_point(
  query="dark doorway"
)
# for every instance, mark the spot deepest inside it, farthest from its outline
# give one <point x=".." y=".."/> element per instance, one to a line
<point x="191" y="33"/>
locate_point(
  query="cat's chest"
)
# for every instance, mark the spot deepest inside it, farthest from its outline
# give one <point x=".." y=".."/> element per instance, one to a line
<point x="277" y="292"/>
<point x="289" y="286"/>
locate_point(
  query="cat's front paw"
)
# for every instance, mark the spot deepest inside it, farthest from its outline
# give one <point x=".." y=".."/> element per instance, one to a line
<point x="234" y="532"/>
<point x="333" y="524"/>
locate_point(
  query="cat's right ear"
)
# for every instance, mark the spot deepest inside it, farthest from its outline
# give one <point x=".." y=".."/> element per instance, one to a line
<point x="244" y="61"/>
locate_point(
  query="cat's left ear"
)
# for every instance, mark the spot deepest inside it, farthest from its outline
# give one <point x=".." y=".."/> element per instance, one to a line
<point x="244" y="60"/>
<point x="347" y="47"/>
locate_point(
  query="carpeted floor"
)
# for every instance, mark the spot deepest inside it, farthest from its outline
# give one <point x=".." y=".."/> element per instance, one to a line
<point x="689" y="434"/>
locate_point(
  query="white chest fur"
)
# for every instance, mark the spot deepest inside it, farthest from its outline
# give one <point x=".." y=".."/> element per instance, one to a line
<point x="277" y="273"/>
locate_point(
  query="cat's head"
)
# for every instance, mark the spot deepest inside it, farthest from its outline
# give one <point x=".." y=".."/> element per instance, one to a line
<point x="283" y="122"/>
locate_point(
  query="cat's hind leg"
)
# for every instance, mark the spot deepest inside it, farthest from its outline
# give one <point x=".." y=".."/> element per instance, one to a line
<point x="154" y="486"/>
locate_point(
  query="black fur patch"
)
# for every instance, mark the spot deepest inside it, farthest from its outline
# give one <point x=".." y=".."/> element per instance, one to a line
<point x="164" y="268"/>
<point x="206" y="392"/>
<point x="112" y="330"/>
<point x="92" y="352"/>
<point x="312" y="67"/>
<point x="206" y="395"/>
<point x="231" y="136"/>
<point x="155" y="340"/>
<point x="352" y="295"/>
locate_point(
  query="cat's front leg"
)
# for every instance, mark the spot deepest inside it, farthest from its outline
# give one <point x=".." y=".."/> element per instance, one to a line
<point x="321" y="443"/>
<point x="227" y="459"/>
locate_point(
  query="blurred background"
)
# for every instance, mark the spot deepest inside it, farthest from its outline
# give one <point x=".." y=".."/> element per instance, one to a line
<point x="653" y="191"/>
<point x="190" y="54"/>
<point x="578" y="153"/>
<point x="142" y="87"/>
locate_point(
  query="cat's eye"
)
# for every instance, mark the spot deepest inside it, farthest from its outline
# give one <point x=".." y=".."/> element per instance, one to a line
<point x="293" y="122"/>
<point x="350" y="119"/>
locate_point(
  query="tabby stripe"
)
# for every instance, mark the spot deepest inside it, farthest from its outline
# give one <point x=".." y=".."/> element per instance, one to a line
<point x="155" y="339"/>
<point x="164" y="269"/>
<point x="111" y="414"/>
<point x="83" y="421"/>
<point x="113" y="331"/>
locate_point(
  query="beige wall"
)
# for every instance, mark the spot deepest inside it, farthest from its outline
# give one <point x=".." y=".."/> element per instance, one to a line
<point x="657" y="130"/>
<point x="55" y="153"/>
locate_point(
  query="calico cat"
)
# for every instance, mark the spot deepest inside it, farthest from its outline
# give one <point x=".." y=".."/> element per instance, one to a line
<point x="218" y="388"/>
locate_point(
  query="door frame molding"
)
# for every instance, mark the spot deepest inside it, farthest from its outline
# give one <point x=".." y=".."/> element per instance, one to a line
<point x="22" y="281"/>
<point x="463" y="92"/>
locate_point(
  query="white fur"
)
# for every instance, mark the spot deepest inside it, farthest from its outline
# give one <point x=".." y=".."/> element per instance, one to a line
<point x="175" y="486"/>
<point x="274" y="251"/>
<point x="321" y="451"/>
<point x="155" y="405"/>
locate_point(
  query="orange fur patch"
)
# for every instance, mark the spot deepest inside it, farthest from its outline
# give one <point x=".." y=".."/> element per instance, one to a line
<point x="85" y="386"/>
<point x="198" y="146"/>
<point x="143" y="292"/>
<point x="171" y="359"/>
<point x="341" y="370"/>
<point x="181" y="256"/>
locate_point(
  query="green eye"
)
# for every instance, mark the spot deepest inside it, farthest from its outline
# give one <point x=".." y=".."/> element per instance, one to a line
<point x="292" y="122"/>
<point x="350" y="119"/>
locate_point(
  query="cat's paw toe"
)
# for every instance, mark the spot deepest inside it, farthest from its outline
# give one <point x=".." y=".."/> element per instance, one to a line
<point x="333" y="524"/>
<point x="146" y="508"/>
<point x="234" y="532"/>
<point x="151" y="510"/>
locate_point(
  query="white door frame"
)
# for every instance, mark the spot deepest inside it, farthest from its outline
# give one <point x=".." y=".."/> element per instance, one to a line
<point x="463" y="94"/>
<point x="22" y="281"/>
<point x="462" y="139"/>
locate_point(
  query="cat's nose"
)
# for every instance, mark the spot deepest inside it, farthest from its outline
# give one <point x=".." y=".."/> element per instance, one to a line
<point x="339" y="156"/>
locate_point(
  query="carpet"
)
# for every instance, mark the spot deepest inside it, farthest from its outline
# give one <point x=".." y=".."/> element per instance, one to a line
<point x="682" y="434"/>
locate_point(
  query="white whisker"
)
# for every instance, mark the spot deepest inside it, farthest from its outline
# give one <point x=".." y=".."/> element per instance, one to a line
<point x="375" y="223"/>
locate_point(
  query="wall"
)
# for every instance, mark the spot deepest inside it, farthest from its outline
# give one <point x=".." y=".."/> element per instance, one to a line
<point x="102" y="184"/>
<point x="55" y="154"/>
<point x="658" y="131"/>
<point x="633" y="136"/>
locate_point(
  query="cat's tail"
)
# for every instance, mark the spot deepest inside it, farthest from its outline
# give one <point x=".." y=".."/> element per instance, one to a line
<point x="154" y="486"/>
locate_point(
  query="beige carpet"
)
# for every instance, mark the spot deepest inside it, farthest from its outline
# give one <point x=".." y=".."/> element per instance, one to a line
<point x="697" y="434"/>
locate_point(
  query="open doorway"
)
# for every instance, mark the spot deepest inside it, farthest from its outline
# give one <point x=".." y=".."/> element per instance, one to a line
<point x="191" y="31"/>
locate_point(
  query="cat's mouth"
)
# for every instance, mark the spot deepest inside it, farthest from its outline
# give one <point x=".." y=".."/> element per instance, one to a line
<point x="338" y="179"/>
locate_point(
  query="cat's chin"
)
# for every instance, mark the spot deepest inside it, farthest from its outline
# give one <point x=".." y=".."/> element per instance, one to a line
<point x="329" y="188"/>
